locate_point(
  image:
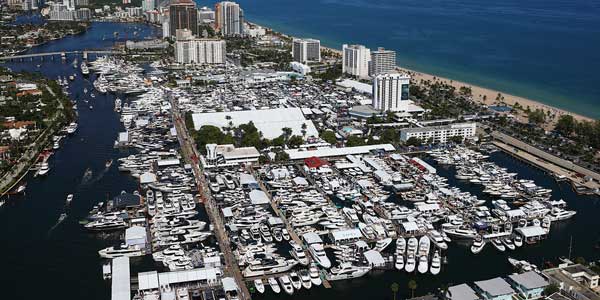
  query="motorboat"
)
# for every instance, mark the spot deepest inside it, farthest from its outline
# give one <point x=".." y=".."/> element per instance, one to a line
<point x="438" y="239"/>
<point x="399" y="262"/>
<point x="258" y="284"/>
<point x="121" y="251"/>
<point x="269" y="266"/>
<point x="274" y="285"/>
<point x="461" y="233"/>
<point x="305" y="278"/>
<point x="298" y="253"/>
<point x="508" y="243"/>
<point x="477" y="245"/>
<point x="424" y="246"/>
<point x="382" y="244"/>
<point x="518" y="240"/>
<point x="559" y="214"/>
<point x="286" y="284"/>
<point x="436" y="263"/>
<point x="296" y="281"/>
<point x="346" y="271"/>
<point x="69" y="198"/>
<point x="318" y="253"/>
<point x="522" y="265"/>
<point x="44" y="169"/>
<point x="411" y="263"/>
<point x="105" y="225"/>
<point x="498" y="244"/>
<point x="423" y="264"/>
<point x="315" y="276"/>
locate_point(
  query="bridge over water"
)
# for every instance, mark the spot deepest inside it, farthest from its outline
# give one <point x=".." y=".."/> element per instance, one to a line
<point x="84" y="53"/>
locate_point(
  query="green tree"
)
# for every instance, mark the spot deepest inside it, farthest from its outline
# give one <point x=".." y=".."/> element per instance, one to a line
<point x="457" y="139"/>
<point x="328" y="136"/>
<point x="412" y="285"/>
<point x="566" y="125"/>
<point x="287" y="133"/>
<point x="355" y="141"/>
<point x="282" y="156"/>
<point x="395" y="287"/>
<point x="304" y="129"/>
<point x="295" y="141"/>
<point x="536" y="116"/>
<point x="413" y="141"/>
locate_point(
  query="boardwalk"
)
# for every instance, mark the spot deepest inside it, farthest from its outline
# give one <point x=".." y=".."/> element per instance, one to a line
<point x="190" y="154"/>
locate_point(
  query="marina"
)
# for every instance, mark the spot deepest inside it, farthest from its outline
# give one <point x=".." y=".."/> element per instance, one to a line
<point x="138" y="207"/>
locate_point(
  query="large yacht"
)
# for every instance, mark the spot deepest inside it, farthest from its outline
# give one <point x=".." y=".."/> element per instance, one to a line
<point x="318" y="253"/>
<point x="122" y="250"/>
<point x="346" y="271"/>
<point x="268" y="267"/>
<point x="106" y="224"/>
<point x="298" y="253"/>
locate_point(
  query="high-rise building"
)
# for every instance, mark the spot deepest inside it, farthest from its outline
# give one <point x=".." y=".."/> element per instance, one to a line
<point x="192" y="50"/>
<point x="305" y="50"/>
<point x="355" y="60"/>
<point x="206" y="15"/>
<point x="229" y="18"/>
<point x="382" y="61"/>
<point x="183" y="15"/>
<point x="390" y="92"/>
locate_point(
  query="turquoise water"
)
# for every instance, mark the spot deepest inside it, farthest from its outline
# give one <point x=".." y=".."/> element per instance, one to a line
<point x="543" y="50"/>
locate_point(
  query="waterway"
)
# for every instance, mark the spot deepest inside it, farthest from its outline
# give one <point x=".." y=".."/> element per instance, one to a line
<point x="60" y="261"/>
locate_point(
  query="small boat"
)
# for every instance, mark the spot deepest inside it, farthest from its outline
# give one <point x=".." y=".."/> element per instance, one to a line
<point x="91" y="107"/>
<point x="69" y="198"/>
<point x="399" y="262"/>
<point x="108" y="163"/>
<point x="62" y="217"/>
<point x="508" y="243"/>
<point x="44" y="169"/>
<point x="478" y="245"/>
<point x="274" y="285"/>
<point x="315" y="277"/>
<point x="518" y="240"/>
<point x="296" y="281"/>
<point x="498" y="244"/>
<point x="286" y="284"/>
<point x="258" y="284"/>
<point x="305" y="277"/>
<point x="436" y="263"/>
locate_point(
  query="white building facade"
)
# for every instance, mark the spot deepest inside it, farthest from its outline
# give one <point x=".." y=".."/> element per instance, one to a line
<point x="200" y="51"/>
<point x="306" y="50"/>
<point x="390" y="92"/>
<point x="439" y="134"/>
<point x="382" y="61"/>
<point x="355" y="60"/>
<point x="229" y="18"/>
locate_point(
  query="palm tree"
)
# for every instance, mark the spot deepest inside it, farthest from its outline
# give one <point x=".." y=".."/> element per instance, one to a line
<point x="445" y="291"/>
<point x="412" y="285"/>
<point x="395" y="287"/>
<point x="304" y="129"/>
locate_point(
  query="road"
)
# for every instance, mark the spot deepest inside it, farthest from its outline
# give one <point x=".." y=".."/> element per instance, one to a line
<point x="191" y="155"/>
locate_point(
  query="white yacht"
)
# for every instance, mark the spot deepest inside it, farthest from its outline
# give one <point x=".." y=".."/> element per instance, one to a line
<point x="72" y="128"/>
<point x="318" y="253"/>
<point x="286" y="284"/>
<point x="298" y="253"/>
<point x="399" y="262"/>
<point x="315" y="277"/>
<point x="478" y="245"/>
<point x="518" y="240"/>
<point x="411" y="263"/>
<point x="44" y="169"/>
<point x="438" y="239"/>
<point x="296" y="281"/>
<point x="498" y="244"/>
<point x="274" y="285"/>
<point x="69" y="198"/>
<point x="382" y="244"/>
<point x="346" y="271"/>
<point x="508" y="243"/>
<point x="461" y="233"/>
<point x="559" y="214"/>
<point x="123" y="250"/>
<point x="258" y="284"/>
<point x="423" y="264"/>
<point x="305" y="278"/>
<point x="268" y="267"/>
<point x="436" y="263"/>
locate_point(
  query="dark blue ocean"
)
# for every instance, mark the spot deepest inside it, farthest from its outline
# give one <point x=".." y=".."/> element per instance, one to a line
<point x="545" y="50"/>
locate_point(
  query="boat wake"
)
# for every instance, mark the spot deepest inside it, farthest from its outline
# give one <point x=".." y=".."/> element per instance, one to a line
<point x="61" y="218"/>
<point x="87" y="176"/>
<point x="93" y="179"/>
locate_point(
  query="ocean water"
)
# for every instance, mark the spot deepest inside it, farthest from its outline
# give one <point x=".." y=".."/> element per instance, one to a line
<point x="545" y="50"/>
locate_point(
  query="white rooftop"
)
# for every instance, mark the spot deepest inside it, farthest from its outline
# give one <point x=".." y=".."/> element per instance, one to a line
<point x="529" y="280"/>
<point x="268" y="121"/>
<point x="312" y="238"/>
<point x="258" y="197"/>
<point x="328" y="152"/>
<point x="120" y="286"/>
<point x="495" y="287"/>
<point x="461" y="292"/>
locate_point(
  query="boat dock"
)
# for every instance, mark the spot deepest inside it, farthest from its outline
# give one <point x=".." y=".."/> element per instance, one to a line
<point x="190" y="155"/>
<point x="560" y="168"/>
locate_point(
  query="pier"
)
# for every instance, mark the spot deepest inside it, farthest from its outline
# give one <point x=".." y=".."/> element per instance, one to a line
<point x="547" y="162"/>
<point x="85" y="54"/>
<point x="190" y="155"/>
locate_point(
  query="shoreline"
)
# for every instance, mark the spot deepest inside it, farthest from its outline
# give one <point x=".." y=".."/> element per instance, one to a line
<point x="479" y="92"/>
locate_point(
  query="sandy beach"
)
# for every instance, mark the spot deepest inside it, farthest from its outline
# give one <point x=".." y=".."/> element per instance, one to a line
<point x="488" y="96"/>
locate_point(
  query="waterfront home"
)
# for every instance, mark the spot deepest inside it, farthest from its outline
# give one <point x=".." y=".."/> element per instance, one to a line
<point x="577" y="281"/>
<point x="461" y="292"/>
<point x="495" y="289"/>
<point x="530" y="285"/>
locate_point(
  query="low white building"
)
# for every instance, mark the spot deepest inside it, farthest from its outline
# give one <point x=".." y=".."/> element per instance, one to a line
<point x="228" y="155"/>
<point x="439" y="134"/>
<point x="300" y="67"/>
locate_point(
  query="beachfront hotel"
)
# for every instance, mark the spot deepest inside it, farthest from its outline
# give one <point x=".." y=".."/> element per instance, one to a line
<point x="382" y="61"/>
<point x="439" y="134"/>
<point x="390" y="92"/>
<point x="306" y="50"/>
<point x="192" y="50"/>
<point x="355" y="60"/>
<point x="229" y="18"/>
